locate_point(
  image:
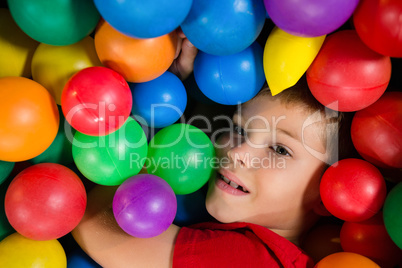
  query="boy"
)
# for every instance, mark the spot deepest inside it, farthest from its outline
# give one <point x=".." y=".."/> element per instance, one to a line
<point x="265" y="196"/>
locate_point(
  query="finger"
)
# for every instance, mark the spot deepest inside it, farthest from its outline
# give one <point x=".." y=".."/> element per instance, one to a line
<point x="185" y="63"/>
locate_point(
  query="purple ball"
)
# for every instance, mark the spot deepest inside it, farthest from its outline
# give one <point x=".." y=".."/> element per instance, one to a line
<point x="310" y="18"/>
<point x="144" y="205"/>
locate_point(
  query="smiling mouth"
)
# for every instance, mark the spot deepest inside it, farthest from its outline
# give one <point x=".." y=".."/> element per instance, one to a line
<point x="232" y="184"/>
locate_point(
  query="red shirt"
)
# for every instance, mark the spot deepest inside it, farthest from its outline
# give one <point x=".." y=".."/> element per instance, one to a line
<point x="235" y="245"/>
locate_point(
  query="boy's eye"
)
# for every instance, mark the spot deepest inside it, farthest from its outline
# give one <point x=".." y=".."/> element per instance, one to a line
<point x="280" y="150"/>
<point x="239" y="131"/>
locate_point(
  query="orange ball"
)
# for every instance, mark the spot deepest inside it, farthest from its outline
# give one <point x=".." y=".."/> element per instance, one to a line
<point x="137" y="60"/>
<point x="346" y="260"/>
<point x="29" y="119"/>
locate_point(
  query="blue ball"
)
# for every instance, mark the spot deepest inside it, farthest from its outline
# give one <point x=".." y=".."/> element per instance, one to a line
<point x="224" y="27"/>
<point x="231" y="79"/>
<point x="160" y="102"/>
<point x="144" y="19"/>
<point x="79" y="258"/>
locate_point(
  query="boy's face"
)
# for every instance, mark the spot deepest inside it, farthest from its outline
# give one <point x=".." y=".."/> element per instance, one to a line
<point x="269" y="155"/>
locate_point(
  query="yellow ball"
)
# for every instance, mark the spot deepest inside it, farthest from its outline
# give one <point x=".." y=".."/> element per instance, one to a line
<point x="16" y="48"/>
<point x="287" y="58"/>
<point x="52" y="66"/>
<point x="16" y="251"/>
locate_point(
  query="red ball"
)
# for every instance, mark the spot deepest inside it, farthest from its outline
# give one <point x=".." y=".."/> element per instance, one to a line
<point x="379" y="25"/>
<point x="370" y="238"/>
<point x="353" y="190"/>
<point x="377" y="131"/>
<point x="45" y="201"/>
<point x="96" y="101"/>
<point x="346" y="75"/>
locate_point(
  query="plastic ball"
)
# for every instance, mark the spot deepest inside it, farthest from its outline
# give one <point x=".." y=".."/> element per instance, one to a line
<point x="224" y="79"/>
<point x="52" y="66"/>
<point x="379" y="26"/>
<point x="16" y="48"/>
<point x="370" y="238"/>
<point x="137" y="60"/>
<point x="144" y="206"/>
<point x="54" y="201"/>
<point x="321" y="241"/>
<point x="377" y="130"/>
<point x="310" y="18"/>
<point x="159" y="102"/>
<point x="287" y="57"/>
<point x="353" y="190"/>
<point x="96" y="101"/>
<point x="160" y="18"/>
<point x="346" y="75"/>
<point x="346" y="260"/>
<point x="60" y="151"/>
<point x="78" y="258"/>
<point x="111" y="159"/>
<point x="29" y="119"/>
<point x="392" y="214"/>
<point x="18" y="251"/>
<point x="224" y="27"/>
<point x="182" y="155"/>
<point x="5" y="228"/>
<point x="5" y="170"/>
<point x="58" y="22"/>
<point x="191" y="209"/>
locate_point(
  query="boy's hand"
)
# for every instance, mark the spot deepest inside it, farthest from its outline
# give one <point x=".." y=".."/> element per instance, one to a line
<point x="183" y="64"/>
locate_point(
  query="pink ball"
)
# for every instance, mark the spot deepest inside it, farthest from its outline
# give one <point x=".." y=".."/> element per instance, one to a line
<point x="96" y="101"/>
<point x="353" y="190"/>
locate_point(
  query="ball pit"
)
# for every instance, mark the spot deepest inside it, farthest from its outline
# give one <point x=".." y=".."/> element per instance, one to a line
<point x="18" y="251"/>
<point x="29" y="119"/>
<point x="96" y="101"/>
<point x="354" y="71"/>
<point x="144" y="206"/>
<point x="59" y="201"/>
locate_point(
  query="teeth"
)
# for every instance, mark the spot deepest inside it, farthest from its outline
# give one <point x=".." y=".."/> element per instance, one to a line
<point x="226" y="179"/>
<point x="233" y="184"/>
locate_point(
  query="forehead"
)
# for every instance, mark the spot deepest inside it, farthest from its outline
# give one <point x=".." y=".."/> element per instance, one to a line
<point x="268" y="112"/>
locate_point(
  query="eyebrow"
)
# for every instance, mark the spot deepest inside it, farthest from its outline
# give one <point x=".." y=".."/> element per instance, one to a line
<point x="277" y="130"/>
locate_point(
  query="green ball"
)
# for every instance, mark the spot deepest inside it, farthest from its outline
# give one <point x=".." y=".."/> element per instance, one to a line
<point x="60" y="151"/>
<point x="111" y="159"/>
<point x="183" y="156"/>
<point x="55" y="22"/>
<point x="5" y="170"/>
<point x="392" y="213"/>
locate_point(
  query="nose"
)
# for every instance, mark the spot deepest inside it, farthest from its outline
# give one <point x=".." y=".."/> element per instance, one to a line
<point x="243" y="155"/>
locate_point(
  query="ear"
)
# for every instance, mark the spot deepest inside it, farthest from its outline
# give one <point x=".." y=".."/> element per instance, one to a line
<point x="321" y="210"/>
